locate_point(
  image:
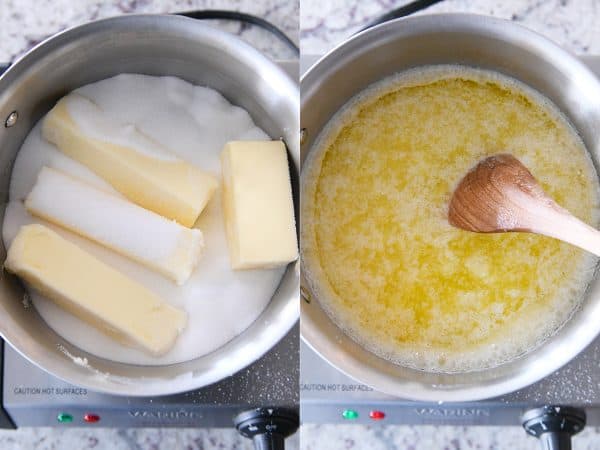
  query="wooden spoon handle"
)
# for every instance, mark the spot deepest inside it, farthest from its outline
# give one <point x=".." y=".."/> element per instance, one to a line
<point x="552" y="220"/>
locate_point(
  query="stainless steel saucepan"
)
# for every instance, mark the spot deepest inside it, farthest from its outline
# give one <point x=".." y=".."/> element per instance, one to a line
<point x="470" y="40"/>
<point x="152" y="45"/>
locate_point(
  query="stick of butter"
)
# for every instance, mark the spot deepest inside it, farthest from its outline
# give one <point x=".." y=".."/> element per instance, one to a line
<point x="135" y="165"/>
<point x="146" y="237"/>
<point x="257" y="200"/>
<point x="93" y="291"/>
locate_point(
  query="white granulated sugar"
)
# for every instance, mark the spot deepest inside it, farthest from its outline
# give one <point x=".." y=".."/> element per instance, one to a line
<point x="193" y="123"/>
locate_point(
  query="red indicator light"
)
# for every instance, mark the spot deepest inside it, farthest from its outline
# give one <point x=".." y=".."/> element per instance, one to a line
<point x="377" y="415"/>
<point x="91" y="418"/>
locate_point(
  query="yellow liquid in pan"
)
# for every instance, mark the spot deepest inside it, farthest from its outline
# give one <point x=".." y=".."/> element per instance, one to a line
<point x="379" y="251"/>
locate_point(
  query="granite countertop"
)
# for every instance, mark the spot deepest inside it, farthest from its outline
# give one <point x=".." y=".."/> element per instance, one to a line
<point x="570" y="23"/>
<point x="573" y="25"/>
<point x="24" y="23"/>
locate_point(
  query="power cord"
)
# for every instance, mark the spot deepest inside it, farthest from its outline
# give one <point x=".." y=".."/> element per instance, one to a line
<point x="402" y="11"/>
<point x="228" y="15"/>
<point x="244" y="18"/>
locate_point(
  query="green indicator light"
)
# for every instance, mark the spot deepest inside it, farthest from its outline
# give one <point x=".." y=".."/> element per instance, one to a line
<point x="350" y="414"/>
<point x="64" y="418"/>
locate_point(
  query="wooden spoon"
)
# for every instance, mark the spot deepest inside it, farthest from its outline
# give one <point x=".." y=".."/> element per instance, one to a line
<point x="499" y="194"/>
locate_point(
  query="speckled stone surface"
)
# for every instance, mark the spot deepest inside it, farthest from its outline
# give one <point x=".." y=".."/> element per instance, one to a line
<point x="573" y="24"/>
<point x="127" y="439"/>
<point x="24" y="23"/>
<point x="356" y="437"/>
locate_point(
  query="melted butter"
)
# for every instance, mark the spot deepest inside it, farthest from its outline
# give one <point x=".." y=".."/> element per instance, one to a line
<point x="392" y="272"/>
